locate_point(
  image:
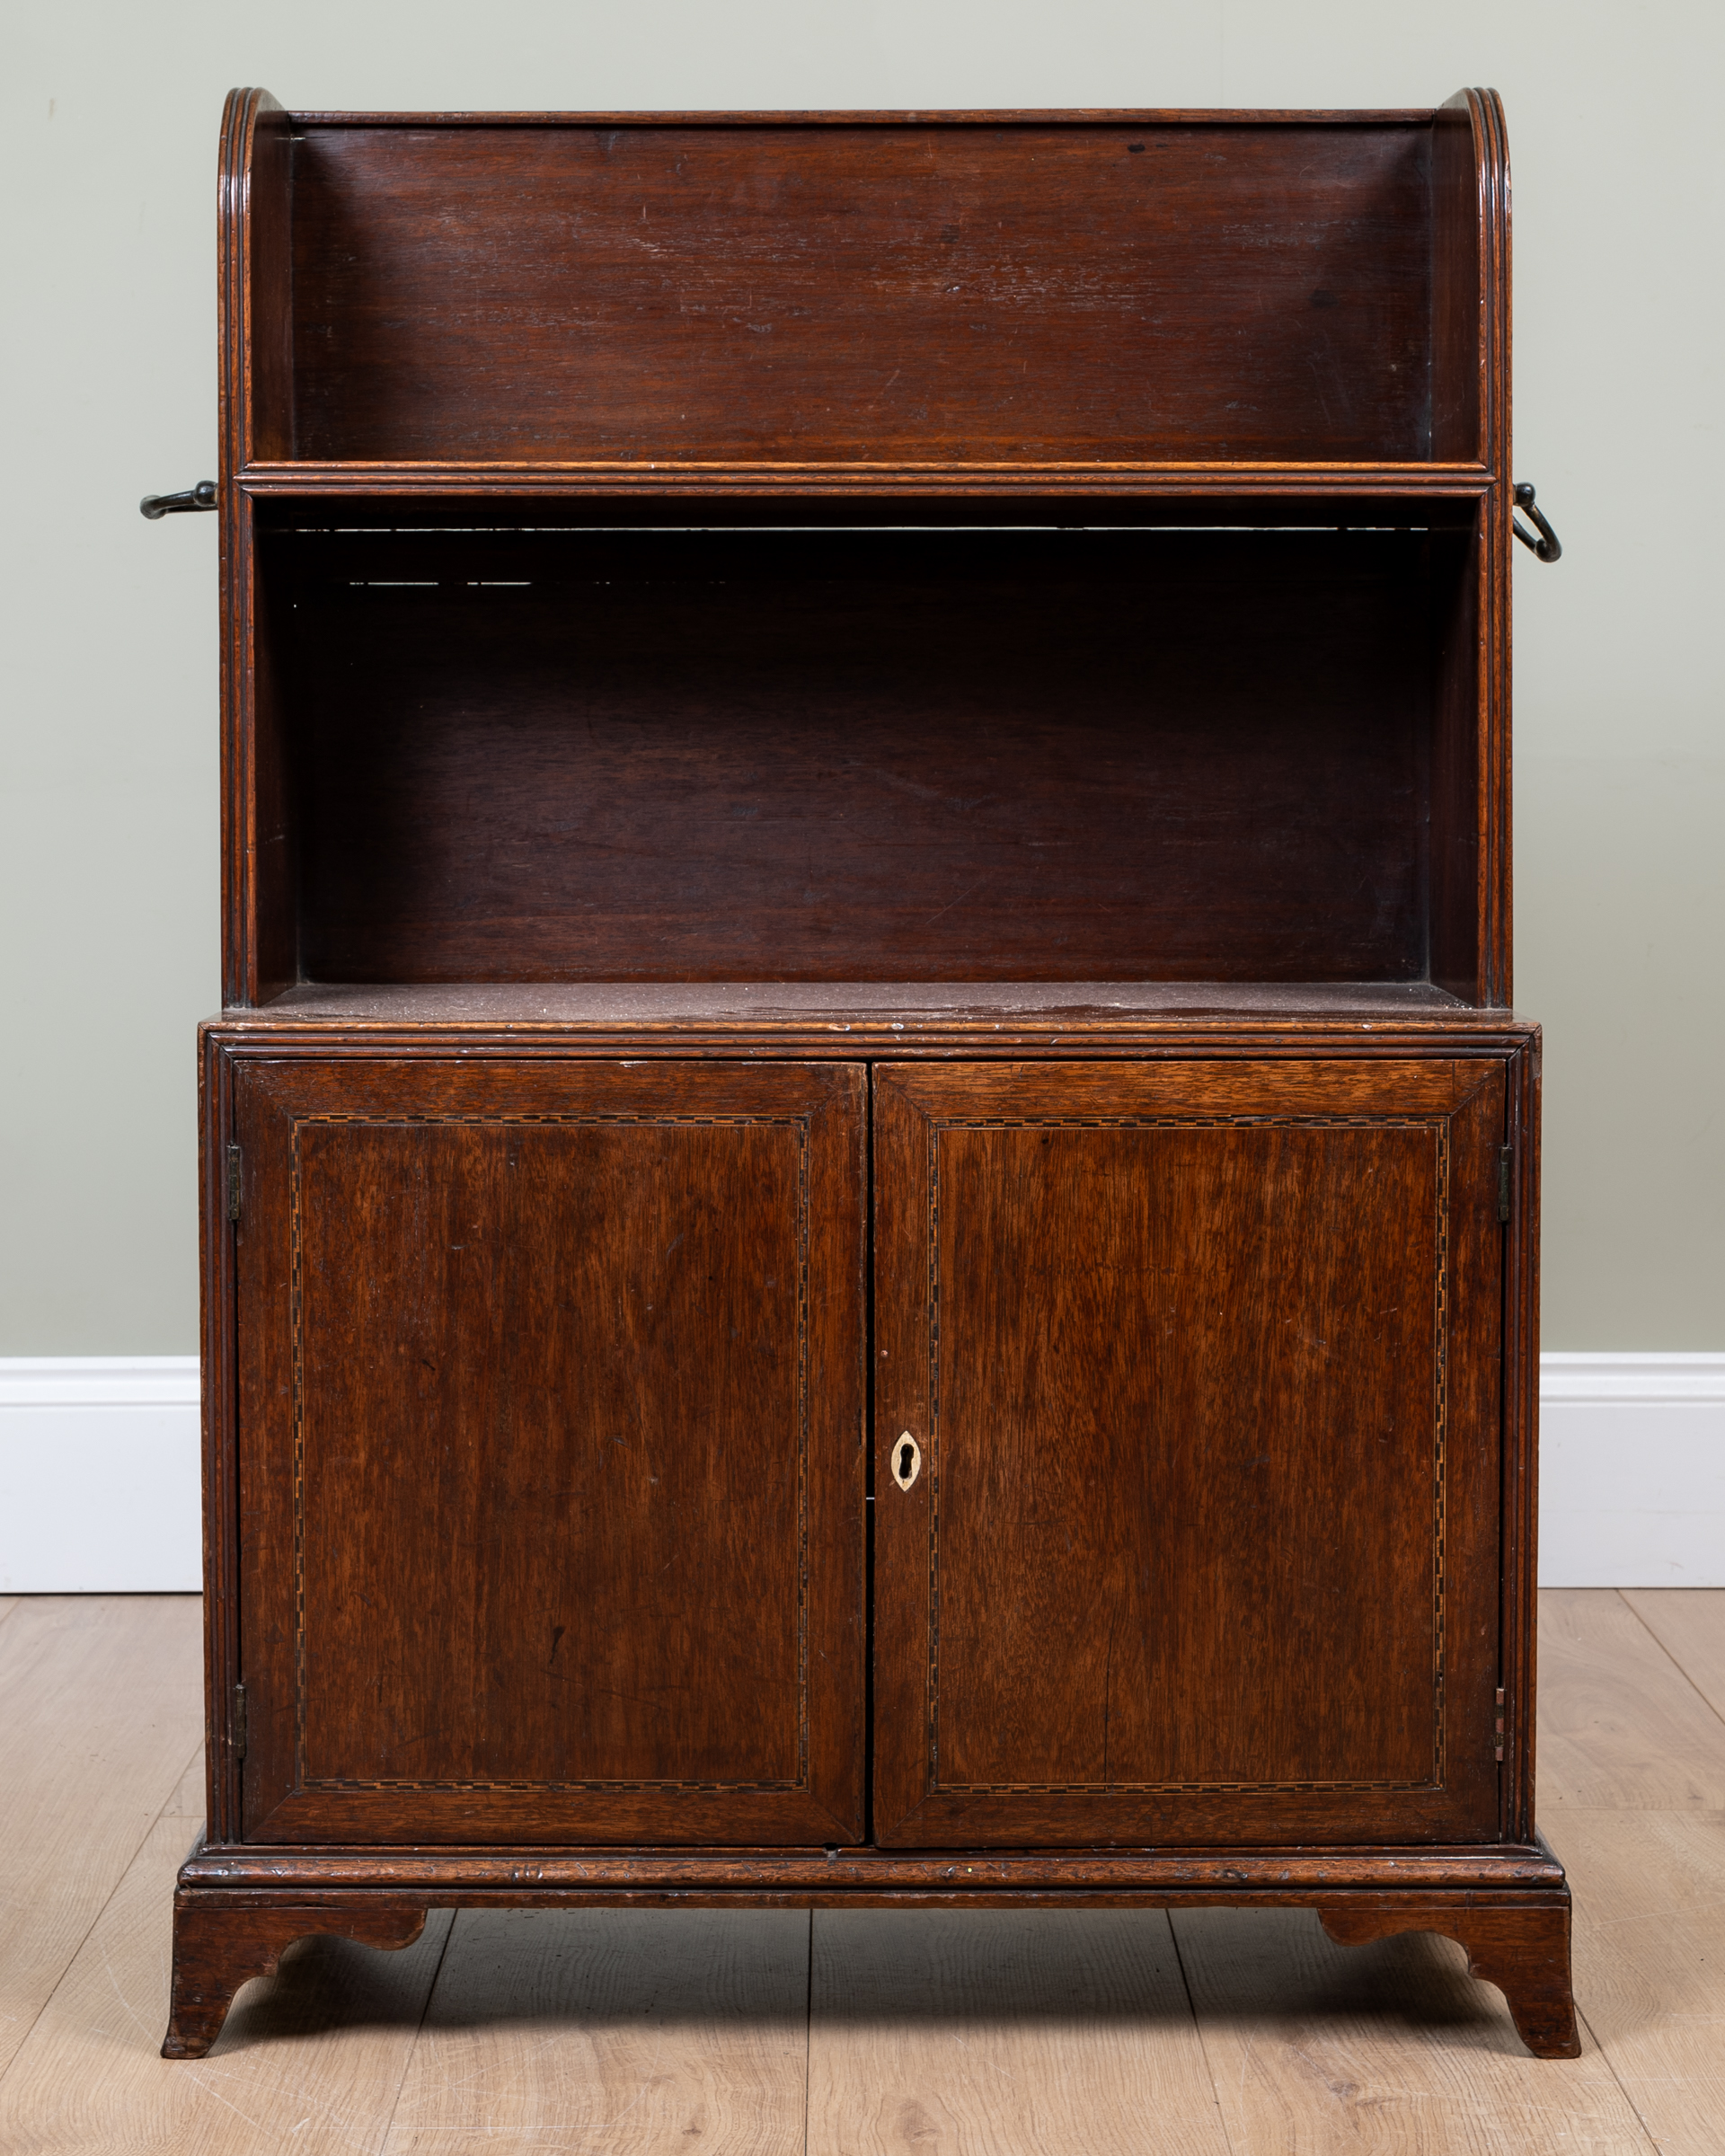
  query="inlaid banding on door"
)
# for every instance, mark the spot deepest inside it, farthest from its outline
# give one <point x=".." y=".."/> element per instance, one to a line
<point x="799" y="1127"/>
<point x="934" y="1467"/>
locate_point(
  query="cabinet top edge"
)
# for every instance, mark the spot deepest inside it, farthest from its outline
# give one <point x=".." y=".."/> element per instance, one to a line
<point x="879" y="1014"/>
<point x="1075" y="116"/>
<point x="858" y="1039"/>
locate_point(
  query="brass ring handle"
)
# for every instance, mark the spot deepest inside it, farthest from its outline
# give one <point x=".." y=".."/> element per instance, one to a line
<point x="201" y="497"/>
<point x="1548" y="546"/>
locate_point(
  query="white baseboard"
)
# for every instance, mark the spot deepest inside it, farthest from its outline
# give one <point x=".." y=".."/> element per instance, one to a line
<point x="98" y="1475"/>
<point x="1631" y="1470"/>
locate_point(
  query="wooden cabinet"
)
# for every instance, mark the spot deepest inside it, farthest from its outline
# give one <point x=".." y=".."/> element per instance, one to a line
<point x="1203" y="1361"/>
<point x="870" y="1194"/>
<point x="550" y="1517"/>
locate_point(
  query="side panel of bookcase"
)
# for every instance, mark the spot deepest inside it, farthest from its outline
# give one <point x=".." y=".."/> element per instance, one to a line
<point x="259" y="952"/>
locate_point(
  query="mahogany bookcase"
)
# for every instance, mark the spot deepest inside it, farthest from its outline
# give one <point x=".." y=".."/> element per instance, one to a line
<point x="869" y="1190"/>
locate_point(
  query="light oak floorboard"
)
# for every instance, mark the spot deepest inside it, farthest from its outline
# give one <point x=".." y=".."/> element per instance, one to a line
<point x="996" y="2032"/>
<point x="1689" y="1623"/>
<point x="188" y="1801"/>
<point x="624" y="2029"/>
<point x="8" y="1604"/>
<point x="1620" y="1725"/>
<point x="100" y="1704"/>
<point x="987" y="2031"/>
<point x="1318" y="2048"/>
<point x="310" y="2060"/>
<point x="1650" y="1963"/>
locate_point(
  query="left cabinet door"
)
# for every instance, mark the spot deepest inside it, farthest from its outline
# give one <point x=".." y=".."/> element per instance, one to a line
<point x="547" y="1406"/>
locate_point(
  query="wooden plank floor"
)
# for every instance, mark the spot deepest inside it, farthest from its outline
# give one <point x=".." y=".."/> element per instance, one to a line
<point x="856" y="2033"/>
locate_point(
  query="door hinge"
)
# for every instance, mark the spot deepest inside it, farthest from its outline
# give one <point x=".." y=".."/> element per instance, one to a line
<point x="236" y="1723"/>
<point x="1499" y="1729"/>
<point x="236" y="1186"/>
<point x="1506" y="1160"/>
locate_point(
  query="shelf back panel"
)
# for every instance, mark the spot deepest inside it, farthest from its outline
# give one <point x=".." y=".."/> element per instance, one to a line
<point x="852" y="757"/>
<point x="961" y="292"/>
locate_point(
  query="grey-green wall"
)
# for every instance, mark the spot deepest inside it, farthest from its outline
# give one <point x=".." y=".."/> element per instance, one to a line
<point x="107" y="845"/>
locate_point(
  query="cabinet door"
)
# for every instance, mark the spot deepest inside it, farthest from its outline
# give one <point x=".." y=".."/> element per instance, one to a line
<point x="551" y="1453"/>
<point x="1203" y="1362"/>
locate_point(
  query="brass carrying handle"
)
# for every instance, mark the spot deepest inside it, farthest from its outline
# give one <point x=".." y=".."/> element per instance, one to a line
<point x="1548" y="546"/>
<point x="201" y="497"/>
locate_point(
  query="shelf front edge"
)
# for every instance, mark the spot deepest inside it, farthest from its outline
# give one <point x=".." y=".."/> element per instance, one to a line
<point x="1054" y="480"/>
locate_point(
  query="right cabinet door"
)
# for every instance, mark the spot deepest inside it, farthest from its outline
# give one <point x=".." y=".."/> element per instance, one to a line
<point x="1198" y="1541"/>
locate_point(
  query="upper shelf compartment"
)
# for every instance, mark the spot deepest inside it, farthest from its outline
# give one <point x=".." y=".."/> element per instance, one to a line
<point x="1031" y="301"/>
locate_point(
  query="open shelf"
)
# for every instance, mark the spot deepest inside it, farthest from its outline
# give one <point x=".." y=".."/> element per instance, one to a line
<point x="849" y="293"/>
<point x="650" y="531"/>
<point x="537" y="755"/>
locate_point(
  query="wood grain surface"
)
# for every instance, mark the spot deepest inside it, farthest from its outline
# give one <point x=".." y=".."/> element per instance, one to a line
<point x="568" y="1480"/>
<point x="854" y="314"/>
<point x="1621" y="1723"/>
<point x="1462" y="953"/>
<point x="218" y="1951"/>
<point x="623" y="494"/>
<point x="187" y="1801"/>
<point x="632" y="2031"/>
<point x="1001" y="756"/>
<point x="255" y="410"/>
<point x="1267" y="756"/>
<point x="99" y="1707"/>
<point x="1003" y="2030"/>
<point x="1524" y="1950"/>
<point x="310" y="2060"/>
<point x="1651" y="1896"/>
<point x="1093" y="1284"/>
<point x="840" y="1876"/>
<point x="1317" y="2048"/>
<point x="1458" y="391"/>
<point x="943" y="293"/>
<point x="1689" y="1623"/>
<point x="876" y="1007"/>
<point x="1305" y="2045"/>
<point x="763" y="1020"/>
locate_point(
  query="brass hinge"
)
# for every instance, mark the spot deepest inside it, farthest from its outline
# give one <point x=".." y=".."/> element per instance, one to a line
<point x="236" y="1723"/>
<point x="1506" y="1159"/>
<point x="1499" y="1731"/>
<point x="236" y="1186"/>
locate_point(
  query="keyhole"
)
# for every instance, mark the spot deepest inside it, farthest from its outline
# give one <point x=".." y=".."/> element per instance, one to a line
<point x="905" y="1454"/>
<point x="907" y="1460"/>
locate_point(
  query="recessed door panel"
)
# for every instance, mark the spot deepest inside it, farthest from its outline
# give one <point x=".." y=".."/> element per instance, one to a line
<point x="554" y="1513"/>
<point x="1201" y="1362"/>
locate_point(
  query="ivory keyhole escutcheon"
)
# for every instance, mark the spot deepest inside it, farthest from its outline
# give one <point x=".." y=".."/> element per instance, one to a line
<point x="907" y="1460"/>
